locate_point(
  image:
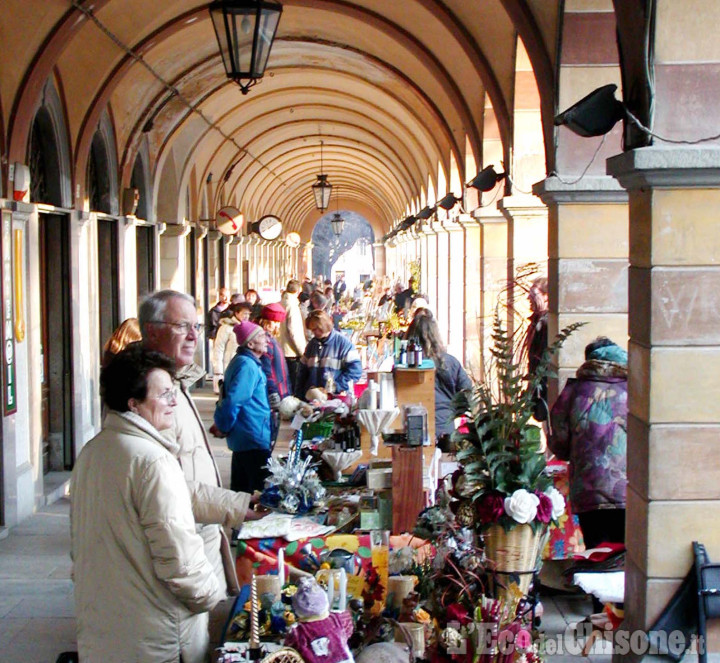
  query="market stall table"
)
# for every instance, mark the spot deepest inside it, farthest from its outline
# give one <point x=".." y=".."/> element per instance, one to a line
<point x="260" y="556"/>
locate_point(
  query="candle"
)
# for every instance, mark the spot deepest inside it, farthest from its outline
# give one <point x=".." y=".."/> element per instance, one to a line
<point x="254" y="625"/>
<point x="281" y="566"/>
<point x="343" y="590"/>
<point x="331" y="589"/>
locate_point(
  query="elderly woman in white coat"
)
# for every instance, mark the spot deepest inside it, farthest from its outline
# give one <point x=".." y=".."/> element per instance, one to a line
<point x="143" y="584"/>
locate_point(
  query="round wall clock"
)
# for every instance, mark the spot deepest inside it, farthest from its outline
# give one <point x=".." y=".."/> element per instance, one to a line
<point x="269" y="227"/>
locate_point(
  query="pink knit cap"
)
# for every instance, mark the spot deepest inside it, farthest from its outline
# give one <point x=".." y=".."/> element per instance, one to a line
<point x="246" y="331"/>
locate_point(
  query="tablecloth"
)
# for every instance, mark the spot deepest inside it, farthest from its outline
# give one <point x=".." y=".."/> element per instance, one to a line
<point x="260" y="555"/>
<point x="376" y="421"/>
<point x="566" y="539"/>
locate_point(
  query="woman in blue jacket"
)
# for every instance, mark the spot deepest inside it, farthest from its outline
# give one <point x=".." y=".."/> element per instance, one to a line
<point x="450" y="376"/>
<point x="243" y="411"/>
<point x="329" y="354"/>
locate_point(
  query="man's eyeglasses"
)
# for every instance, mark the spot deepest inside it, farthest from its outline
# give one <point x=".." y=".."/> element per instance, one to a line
<point x="181" y="328"/>
<point x="169" y="396"/>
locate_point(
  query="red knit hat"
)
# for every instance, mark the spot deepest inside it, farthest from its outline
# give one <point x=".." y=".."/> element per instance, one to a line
<point x="274" y="312"/>
<point x="246" y="331"/>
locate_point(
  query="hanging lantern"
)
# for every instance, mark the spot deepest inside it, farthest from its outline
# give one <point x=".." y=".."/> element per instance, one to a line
<point x="322" y="188"/>
<point x="245" y="30"/>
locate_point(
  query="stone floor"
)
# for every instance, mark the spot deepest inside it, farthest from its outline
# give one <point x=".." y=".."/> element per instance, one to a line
<point x="37" y="616"/>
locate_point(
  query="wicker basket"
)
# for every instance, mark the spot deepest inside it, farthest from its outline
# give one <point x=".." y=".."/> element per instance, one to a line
<point x="514" y="556"/>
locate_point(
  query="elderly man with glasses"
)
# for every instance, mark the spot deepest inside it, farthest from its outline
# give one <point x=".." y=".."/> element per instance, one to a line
<point x="168" y="322"/>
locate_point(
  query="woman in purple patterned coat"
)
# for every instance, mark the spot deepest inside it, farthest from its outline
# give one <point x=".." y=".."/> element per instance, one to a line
<point x="589" y="429"/>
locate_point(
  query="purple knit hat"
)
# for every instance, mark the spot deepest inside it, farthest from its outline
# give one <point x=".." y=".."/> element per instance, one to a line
<point x="246" y="331"/>
<point x="310" y="600"/>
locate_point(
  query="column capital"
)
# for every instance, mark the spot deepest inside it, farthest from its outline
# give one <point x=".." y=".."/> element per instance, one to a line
<point x="489" y="216"/>
<point x="175" y="229"/>
<point x="454" y="226"/>
<point x="434" y="228"/>
<point x="526" y="206"/>
<point x="672" y="167"/>
<point x="589" y="189"/>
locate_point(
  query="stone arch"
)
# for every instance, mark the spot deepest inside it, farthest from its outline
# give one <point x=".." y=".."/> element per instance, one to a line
<point x="102" y="169"/>
<point x="48" y="151"/>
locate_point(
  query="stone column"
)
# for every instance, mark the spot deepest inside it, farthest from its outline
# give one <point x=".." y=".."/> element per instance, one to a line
<point x="442" y="278"/>
<point x="472" y="325"/>
<point x="587" y="265"/>
<point x="127" y="259"/>
<point x="379" y="260"/>
<point x="232" y="263"/>
<point x="454" y="291"/>
<point x="493" y="270"/>
<point x="305" y="266"/>
<point x="527" y="248"/>
<point x="674" y="403"/>
<point x="172" y="255"/>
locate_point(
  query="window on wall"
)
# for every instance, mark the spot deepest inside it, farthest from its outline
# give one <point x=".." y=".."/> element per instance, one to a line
<point x="137" y="181"/>
<point x="44" y="163"/>
<point x="190" y="244"/>
<point x="98" y="176"/>
<point x="145" y="262"/>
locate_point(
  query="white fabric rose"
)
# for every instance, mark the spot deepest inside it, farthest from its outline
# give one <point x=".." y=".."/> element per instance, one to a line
<point x="522" y="506"/>
<point x="558" y="502"/>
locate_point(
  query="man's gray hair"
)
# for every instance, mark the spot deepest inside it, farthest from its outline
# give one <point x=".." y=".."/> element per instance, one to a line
<point x="153" y="306"/>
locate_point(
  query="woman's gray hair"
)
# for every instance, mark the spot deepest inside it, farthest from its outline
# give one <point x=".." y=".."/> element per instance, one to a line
<point x="153" y="306"/>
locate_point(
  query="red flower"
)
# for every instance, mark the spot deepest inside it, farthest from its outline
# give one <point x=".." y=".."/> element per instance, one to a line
<point x="544" y="510"/>
<point x="457" y="613"/>
<point x="491" y="507"/>
<point x="457" y="476"/>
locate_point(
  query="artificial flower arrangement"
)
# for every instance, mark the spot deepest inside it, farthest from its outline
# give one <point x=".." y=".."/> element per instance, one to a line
<point x="502" y="476"/>
<point x="293" y="486"/>
<point x="456" y="598"/>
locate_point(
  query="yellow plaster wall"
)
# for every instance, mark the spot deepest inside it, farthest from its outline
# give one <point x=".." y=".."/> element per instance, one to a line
<point x="689" y="17"/>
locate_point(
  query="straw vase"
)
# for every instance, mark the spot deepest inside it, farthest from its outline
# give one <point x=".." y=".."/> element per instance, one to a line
<point x="513" y="555"/>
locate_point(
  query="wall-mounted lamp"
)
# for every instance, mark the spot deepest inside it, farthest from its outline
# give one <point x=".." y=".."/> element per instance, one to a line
<point x="245" y="30"/>
<point x="425" y="213"/>
<point x="486" y="179"/>
<point x="448" y="202"/>
<point x="594" y="115"/>
<point x="407" y="223"/>
<point x="322" y="188"/>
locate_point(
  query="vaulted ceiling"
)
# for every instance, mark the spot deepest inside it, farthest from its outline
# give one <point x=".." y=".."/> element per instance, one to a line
<point x="398" y="91"/>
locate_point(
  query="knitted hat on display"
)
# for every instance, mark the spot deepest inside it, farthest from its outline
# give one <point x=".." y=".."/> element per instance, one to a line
<point x="246" y="331"/>
<point x="310" y="601"/>
<point x="273" y="312"/>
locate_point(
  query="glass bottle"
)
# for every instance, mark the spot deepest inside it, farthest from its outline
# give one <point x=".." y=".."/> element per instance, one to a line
<point x="380" y="559"/>
<point x="403" y="356"/>
<point x="411" y="353"/>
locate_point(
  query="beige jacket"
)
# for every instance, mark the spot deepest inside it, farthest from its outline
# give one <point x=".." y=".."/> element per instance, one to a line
<point x="143" y="584"/>
<point x="292" y="330"/>
<point x="225" y="345"/>
<point x="213" y="505"/>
